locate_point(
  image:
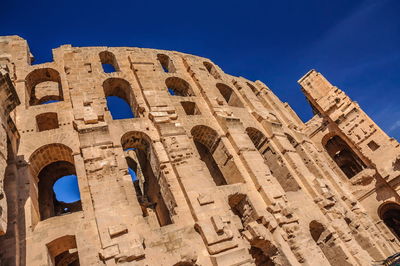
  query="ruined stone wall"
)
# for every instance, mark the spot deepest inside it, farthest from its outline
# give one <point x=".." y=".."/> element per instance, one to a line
<point x="227" y="174"/>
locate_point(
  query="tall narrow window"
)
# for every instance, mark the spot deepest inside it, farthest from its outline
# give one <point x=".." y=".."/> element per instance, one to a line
<point x="44" y="86"/>
<point x="166" y="63"/>
<point x="108" y="62"/>
<point x="178" y="87"/>
<point x="273" y="160"/>
<point x="229" y="95"/>
<point x="206" y="140"/>
<point x="141" y="160"/>
<point x="344" y="157"/>
<point x="212" y="70"/>
<point x="390" y="215"/>
<point x="253" y="89"/>
<point x="120" y="98"/>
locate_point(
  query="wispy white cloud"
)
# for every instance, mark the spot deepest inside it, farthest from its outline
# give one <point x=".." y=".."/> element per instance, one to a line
<point x="395" y="126"/>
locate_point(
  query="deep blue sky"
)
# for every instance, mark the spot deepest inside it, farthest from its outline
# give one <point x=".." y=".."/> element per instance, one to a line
<point x="354" y="43"/>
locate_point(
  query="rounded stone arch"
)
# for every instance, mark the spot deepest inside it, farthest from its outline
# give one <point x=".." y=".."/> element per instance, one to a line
<point x="212" y="69"/>
<point x="327" y="137"/>
<point x="166" y="63"/>
<point x="145" y="164"/>
<point x="108" y="58"/>
<point x="389" y="213"/>
<point x="229" y="95"/>
<point x="29" y="148"/>
<point x="48" y="164"/>
<point x="136" y="140"/>
<point x="343" y="154"/>
<point x="253" y="88"/>
<point x="48" y="154"/>
<point x="205" y="135"/>
<point x="257" y="137"/>
<point x="42" y="85"/>
<point x="121" y="88"/>
<point x="118" y="87"/>
<point x="59" y="251"/>
<point x="178" y="86"/>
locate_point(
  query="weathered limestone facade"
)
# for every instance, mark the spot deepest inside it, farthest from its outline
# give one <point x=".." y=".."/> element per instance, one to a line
<point x="227" y="174"/>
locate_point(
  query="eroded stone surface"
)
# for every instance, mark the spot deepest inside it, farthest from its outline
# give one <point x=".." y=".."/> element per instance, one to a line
<point x="226" y="173"/>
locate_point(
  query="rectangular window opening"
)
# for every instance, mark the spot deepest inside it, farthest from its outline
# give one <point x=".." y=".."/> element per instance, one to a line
<point x="373" y="145"/>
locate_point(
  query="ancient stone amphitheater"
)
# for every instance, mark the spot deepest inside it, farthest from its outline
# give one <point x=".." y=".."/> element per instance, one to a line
<point x="226" y="173"/>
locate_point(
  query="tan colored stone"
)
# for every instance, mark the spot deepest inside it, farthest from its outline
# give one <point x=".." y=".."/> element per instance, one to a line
<point x="226" y="173"/>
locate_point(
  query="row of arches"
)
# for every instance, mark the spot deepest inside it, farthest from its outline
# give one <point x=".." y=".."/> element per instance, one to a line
<point x="53" y="167"/>
<point x="119" y="96"/>
<point x="51" y="162"/>
<point x="341" y="153"/>
<point x="44" y="85"/>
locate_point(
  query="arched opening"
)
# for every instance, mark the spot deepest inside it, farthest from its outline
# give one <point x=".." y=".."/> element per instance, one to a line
<point x="253" y="89"/>
<point x="344" y="156"/>
<point x="229" y="95"/>
<point x="242" y="207"/>
<point x="390" y="215"/>
<point x="206" y="140"/>
<point x="120" y="98"/>
<point x="108" y="62"/>
<point x="292" y="140"/>
<point x="263" y="251"/>
<point x="212" y="70"/>
<point x="63" y="251"/>
<point x="178" y="87"/>
<point x="273" y="160"/>
<point x="166" y="63"/>
<point x="43" y="86"/>
<point x="49" y="164"/>
<point x="326" y="242"/>
<point x="47" y="121"/>
<point x="141" y="159"/>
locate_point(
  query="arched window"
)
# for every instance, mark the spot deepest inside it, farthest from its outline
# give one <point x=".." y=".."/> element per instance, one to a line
<point x="179" y="87"/>
<point x="166" y="63"/>
<point x="141" y="159"/>
<point x="263" y="251"/>
<point x="206" y="140"/>
<point x="344" y="156"/>
<point x="120" y="98"/>
<point x="390" y="215"/>
<point x="257" y="137"/>
<point x="253" y="89"/>
<point x="274" y="161"/>
<point x="212" y="70"/>
<point x="49" y="164"/>
<point x="47" y="121"/>
<point x="63" y="251"/>
<point x="43" y="86"/>
<point x="108" y="62"/>
<point x="229" y="95"/>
